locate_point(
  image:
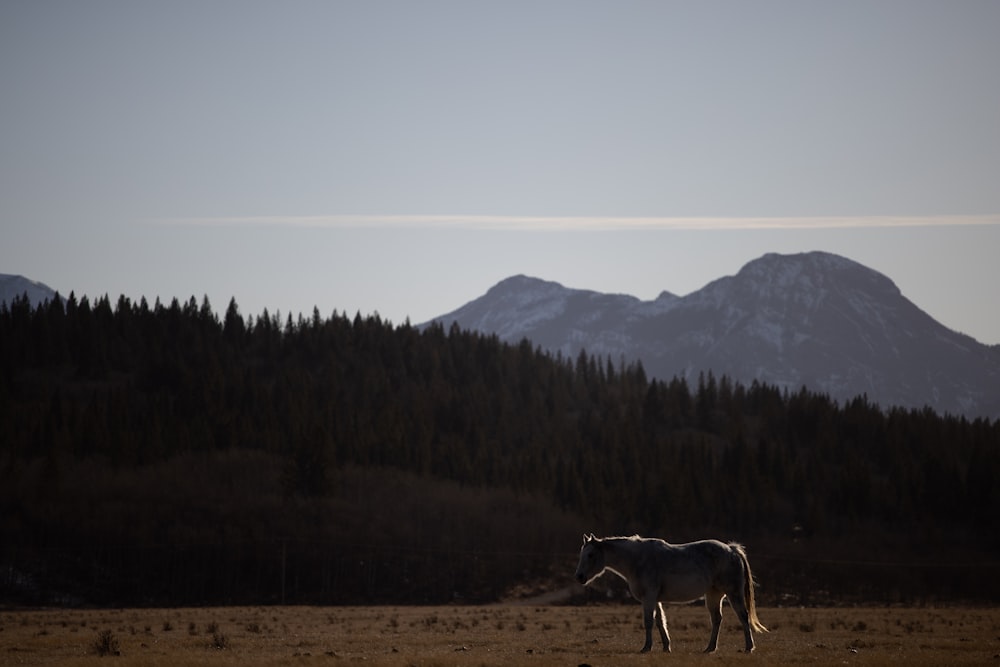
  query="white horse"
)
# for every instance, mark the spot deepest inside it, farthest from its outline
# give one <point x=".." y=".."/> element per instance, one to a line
<point x="657" y="571"/>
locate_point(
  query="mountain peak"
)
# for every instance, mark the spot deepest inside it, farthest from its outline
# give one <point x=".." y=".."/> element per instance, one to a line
<point x="806" y="279"/>
<point x="666" y="296"/>
<point x="521" y="283"/>
<point x="810" y="268"/>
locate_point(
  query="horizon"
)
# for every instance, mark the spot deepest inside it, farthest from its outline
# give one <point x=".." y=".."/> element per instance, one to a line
<point x="283" y="315"/>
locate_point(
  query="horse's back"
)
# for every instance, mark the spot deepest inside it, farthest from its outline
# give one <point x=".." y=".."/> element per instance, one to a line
<point x="713" y="551"/>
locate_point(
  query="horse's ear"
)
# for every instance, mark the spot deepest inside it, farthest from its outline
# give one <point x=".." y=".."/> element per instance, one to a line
<point x="587" y="538"/>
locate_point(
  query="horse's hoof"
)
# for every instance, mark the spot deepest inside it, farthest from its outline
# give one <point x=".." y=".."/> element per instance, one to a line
<point x="644" y="649"/>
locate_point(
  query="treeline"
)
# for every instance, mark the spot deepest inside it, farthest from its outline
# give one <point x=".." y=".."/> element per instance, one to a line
<point x="164" y="453"/>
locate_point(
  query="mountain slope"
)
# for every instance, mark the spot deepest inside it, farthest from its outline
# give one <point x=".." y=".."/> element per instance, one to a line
<point x="812" y="319"/>
<point x="13" y="286"/>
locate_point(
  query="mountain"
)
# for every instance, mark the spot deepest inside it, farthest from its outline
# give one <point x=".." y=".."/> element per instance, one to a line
<point x="813" y="319"/>
<point x="13" y="286"/>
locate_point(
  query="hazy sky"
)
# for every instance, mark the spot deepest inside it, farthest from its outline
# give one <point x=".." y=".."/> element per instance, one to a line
<point x="403" y="157"/>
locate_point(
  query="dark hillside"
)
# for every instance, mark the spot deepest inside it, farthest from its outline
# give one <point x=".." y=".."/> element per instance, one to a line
<point x="162" y="455"/>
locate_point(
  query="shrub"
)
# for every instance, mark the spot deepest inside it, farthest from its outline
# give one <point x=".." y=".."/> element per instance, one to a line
<point x="106" y="644"/>
<point x="220" y="641"/>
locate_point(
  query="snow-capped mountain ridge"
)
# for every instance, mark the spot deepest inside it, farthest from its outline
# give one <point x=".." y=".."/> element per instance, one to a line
<point x="813" y="319"/>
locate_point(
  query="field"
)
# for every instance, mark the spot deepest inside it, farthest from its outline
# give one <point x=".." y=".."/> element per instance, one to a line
<point x="504" y="635"/>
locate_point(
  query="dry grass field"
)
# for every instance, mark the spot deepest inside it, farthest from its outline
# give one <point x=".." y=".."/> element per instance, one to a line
<point x="505" y="635"/>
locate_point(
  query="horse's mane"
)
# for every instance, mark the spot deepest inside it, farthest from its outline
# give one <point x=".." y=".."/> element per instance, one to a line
<point x="629" y="538"/>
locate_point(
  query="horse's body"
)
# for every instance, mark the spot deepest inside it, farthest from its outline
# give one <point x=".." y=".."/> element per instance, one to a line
<point x="657" y="572"/>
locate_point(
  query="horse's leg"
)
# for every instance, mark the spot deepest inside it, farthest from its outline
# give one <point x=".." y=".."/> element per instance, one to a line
<point x="649" y="604"/>
<point x="661" y="625"/>
<point x="739" y="604"/>
<point x="713" y="600"/>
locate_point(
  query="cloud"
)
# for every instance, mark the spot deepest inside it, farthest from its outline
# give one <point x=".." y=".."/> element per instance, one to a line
<point x="583" y="223"/>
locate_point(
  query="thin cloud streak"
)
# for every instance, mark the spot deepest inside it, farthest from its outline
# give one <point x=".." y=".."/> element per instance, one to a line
<point x="570" y="223"/>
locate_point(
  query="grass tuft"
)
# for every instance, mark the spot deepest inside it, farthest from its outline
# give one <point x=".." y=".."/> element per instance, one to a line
<point x="106" y="644"/>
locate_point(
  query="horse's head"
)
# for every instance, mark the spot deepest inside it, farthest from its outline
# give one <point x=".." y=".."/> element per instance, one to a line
<point x="591" y="564"/>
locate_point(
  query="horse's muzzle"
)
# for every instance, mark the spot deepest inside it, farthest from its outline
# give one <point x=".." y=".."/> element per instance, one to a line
<point x="581" y="578"/>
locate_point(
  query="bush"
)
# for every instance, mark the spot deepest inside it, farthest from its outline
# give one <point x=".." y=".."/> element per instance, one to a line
<point x="220" y="641"/>
<point x="106" y="644"/>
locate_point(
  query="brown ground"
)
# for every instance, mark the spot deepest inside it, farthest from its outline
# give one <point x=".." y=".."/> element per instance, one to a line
<point x="502" y="635"/>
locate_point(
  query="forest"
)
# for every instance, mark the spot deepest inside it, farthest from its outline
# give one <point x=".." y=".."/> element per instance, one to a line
<point x="165" y="455"/>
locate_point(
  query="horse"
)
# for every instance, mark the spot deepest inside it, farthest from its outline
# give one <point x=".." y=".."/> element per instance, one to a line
<point x="657" y="572"/>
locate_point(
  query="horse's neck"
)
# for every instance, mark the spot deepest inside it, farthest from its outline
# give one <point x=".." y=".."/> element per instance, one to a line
<point x="619" y="556"/>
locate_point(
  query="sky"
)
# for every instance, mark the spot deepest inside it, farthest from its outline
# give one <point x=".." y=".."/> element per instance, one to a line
<point x="401" y="158"/>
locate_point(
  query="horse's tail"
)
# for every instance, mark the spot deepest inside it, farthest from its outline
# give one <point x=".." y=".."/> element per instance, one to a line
<point x="748" y="587"/>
